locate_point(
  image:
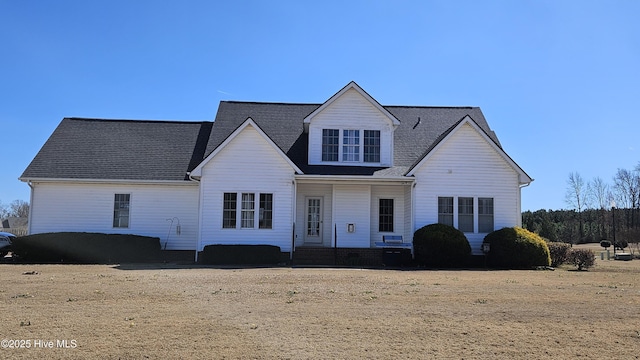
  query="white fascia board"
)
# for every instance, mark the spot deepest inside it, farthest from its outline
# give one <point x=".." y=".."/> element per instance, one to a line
<point x="197" y="172"/>
<point x="107" y="181"/>
<point x="354" y="179"/>
<point x="522" y="175"/>
<point x="352" y="85"/>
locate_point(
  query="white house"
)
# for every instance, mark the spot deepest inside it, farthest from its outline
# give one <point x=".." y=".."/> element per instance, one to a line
<point x="342" y="173"/>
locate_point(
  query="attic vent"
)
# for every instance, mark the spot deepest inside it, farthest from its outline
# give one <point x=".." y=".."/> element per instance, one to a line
<point x="418" y="123"/>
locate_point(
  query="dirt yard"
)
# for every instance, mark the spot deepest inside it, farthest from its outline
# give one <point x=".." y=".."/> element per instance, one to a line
<point x="180" y="312"/>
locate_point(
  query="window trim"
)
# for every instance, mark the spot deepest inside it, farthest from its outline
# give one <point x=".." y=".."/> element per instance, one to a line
<point x="328" y="146"/>
<point x="492" y="215"/>
<point x="390" y="215"/>
<point x="243" y="208"/>
<point x="371" y="147"/>
<point x="353" y="149"/>
<point x="117" y="211"/>
<point x="455" y="216"/>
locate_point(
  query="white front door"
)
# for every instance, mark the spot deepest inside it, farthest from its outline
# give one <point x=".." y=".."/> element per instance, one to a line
<point x="313" y="222"/>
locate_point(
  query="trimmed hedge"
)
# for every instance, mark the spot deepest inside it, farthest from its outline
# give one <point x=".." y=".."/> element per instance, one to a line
<point x="516" y="248"/>
<point x="241" y="255"/>
<point x="86" y="248"/>
<point x="441" y="246"/>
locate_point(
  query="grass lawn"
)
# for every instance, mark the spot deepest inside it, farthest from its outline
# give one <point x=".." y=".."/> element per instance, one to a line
<point x="170" y="312"/>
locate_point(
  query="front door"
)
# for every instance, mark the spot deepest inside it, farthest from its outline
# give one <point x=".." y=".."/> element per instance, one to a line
<point x="313" y="226"/>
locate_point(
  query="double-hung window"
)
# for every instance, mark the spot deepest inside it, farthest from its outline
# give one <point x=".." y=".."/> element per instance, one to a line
<point x="445" y="210"/>
<point x="385" y="223"/>
<point x="121" y="210"/>
<point x="330" y="144"/>
<point x="248" y="210"/>
<point x="351" y="145"/>
<point x="485" y="215"/>
<point x="465" y="214"/>
<point x="247" y="217"/>
<point x="372" y="146"/>
<point x="266" y="211"/>
<point x="229" y="210"/>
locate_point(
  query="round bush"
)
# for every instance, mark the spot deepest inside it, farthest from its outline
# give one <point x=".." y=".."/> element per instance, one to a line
<point x="517" y="248"/>
<point x="559" y="253"/>
<point x="441" y="245"/>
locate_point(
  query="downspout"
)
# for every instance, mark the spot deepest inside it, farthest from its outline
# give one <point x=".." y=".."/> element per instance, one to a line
<point x="198" y="234"/>
<point x="30" y="206"/>
<point x="519" y="222"/>
<point x="293" y="217"/>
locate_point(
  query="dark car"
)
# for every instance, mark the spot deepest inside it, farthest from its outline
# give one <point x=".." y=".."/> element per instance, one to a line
<point x="5" y="243"/>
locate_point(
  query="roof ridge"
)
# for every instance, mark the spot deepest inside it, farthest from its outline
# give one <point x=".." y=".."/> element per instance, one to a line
<point x="319" y="104"/>
<point x="139" y="120"/>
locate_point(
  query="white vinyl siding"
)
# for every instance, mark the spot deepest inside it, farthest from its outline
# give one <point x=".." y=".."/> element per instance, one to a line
<point x="247" y="165"/>
<point x="465" y="165"/>
<point x="85" y="207"/>
<point x="351" y="112"/>
<point x="351" y="205"/>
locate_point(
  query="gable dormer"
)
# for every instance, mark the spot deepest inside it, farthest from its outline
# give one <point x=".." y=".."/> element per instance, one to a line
<point x="351" y="129"/>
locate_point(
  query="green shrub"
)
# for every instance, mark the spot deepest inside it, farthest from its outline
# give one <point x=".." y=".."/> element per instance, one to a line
<point x="87" y="248"/>
<point x="516" y="248"/>
<point x="582" y="258"/>
<point x="559" y="253"/>
<point x="241" y="255"/>
<point x="441" y="246"/>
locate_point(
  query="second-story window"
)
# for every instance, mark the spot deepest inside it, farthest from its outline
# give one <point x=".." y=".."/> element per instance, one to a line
<point x="372" y="146"/>
<point x="330" y="144"/>
<point x="351" y="145"/>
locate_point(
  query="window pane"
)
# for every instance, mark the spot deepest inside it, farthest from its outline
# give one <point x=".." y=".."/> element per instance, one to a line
<point x="465" y="214"/>
<point x="330" y="143"/>
<point x="248" y="210"/>
<point x="351" y="145"/>
<point x="485" y="215"/>
<point x="121" y="210"/>
<point x="266" y="211"/>
<point x="386" y="215"/>
<point x="445" y="210"/>
<point x="229" y="211"/>
<point x="372" y="146"/>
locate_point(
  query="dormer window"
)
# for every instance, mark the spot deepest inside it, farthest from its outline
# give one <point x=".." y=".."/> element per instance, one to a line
<point x="351" y="145"/>
<point x="330" y="144"/>
<point x="372" y="146"/>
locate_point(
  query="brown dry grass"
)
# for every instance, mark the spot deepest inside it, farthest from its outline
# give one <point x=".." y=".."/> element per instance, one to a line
<point x="137" y="312"/>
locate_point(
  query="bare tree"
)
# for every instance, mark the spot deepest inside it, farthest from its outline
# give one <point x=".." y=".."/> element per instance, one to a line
<point x="19" y="208"/>
<point x="577" y="197"/>
<point x="600" y="192"/>
<point x="4" y="211"/>
<point x="627" y="192"/>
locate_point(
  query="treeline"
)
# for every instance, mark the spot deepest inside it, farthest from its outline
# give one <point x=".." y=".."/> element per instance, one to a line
<point x="598" y="210"/>
<point x="591" y="225"/>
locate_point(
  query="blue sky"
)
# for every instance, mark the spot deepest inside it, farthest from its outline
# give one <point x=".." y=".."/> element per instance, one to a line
<point x="556" y="80"/>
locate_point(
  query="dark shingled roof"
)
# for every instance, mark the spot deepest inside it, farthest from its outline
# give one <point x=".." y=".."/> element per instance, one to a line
<point x="120" y="149"/>
<point x="283" y="123"/>
<point x="167" y="150"/>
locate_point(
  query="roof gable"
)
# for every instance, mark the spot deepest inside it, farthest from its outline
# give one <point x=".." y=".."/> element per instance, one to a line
<point x="351" y="86"/>
<point x="249" y="122"/>
<point x="468" y="120"/>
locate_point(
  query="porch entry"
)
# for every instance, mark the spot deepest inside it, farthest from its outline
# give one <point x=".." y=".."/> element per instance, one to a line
<point x="313" y="223"/>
